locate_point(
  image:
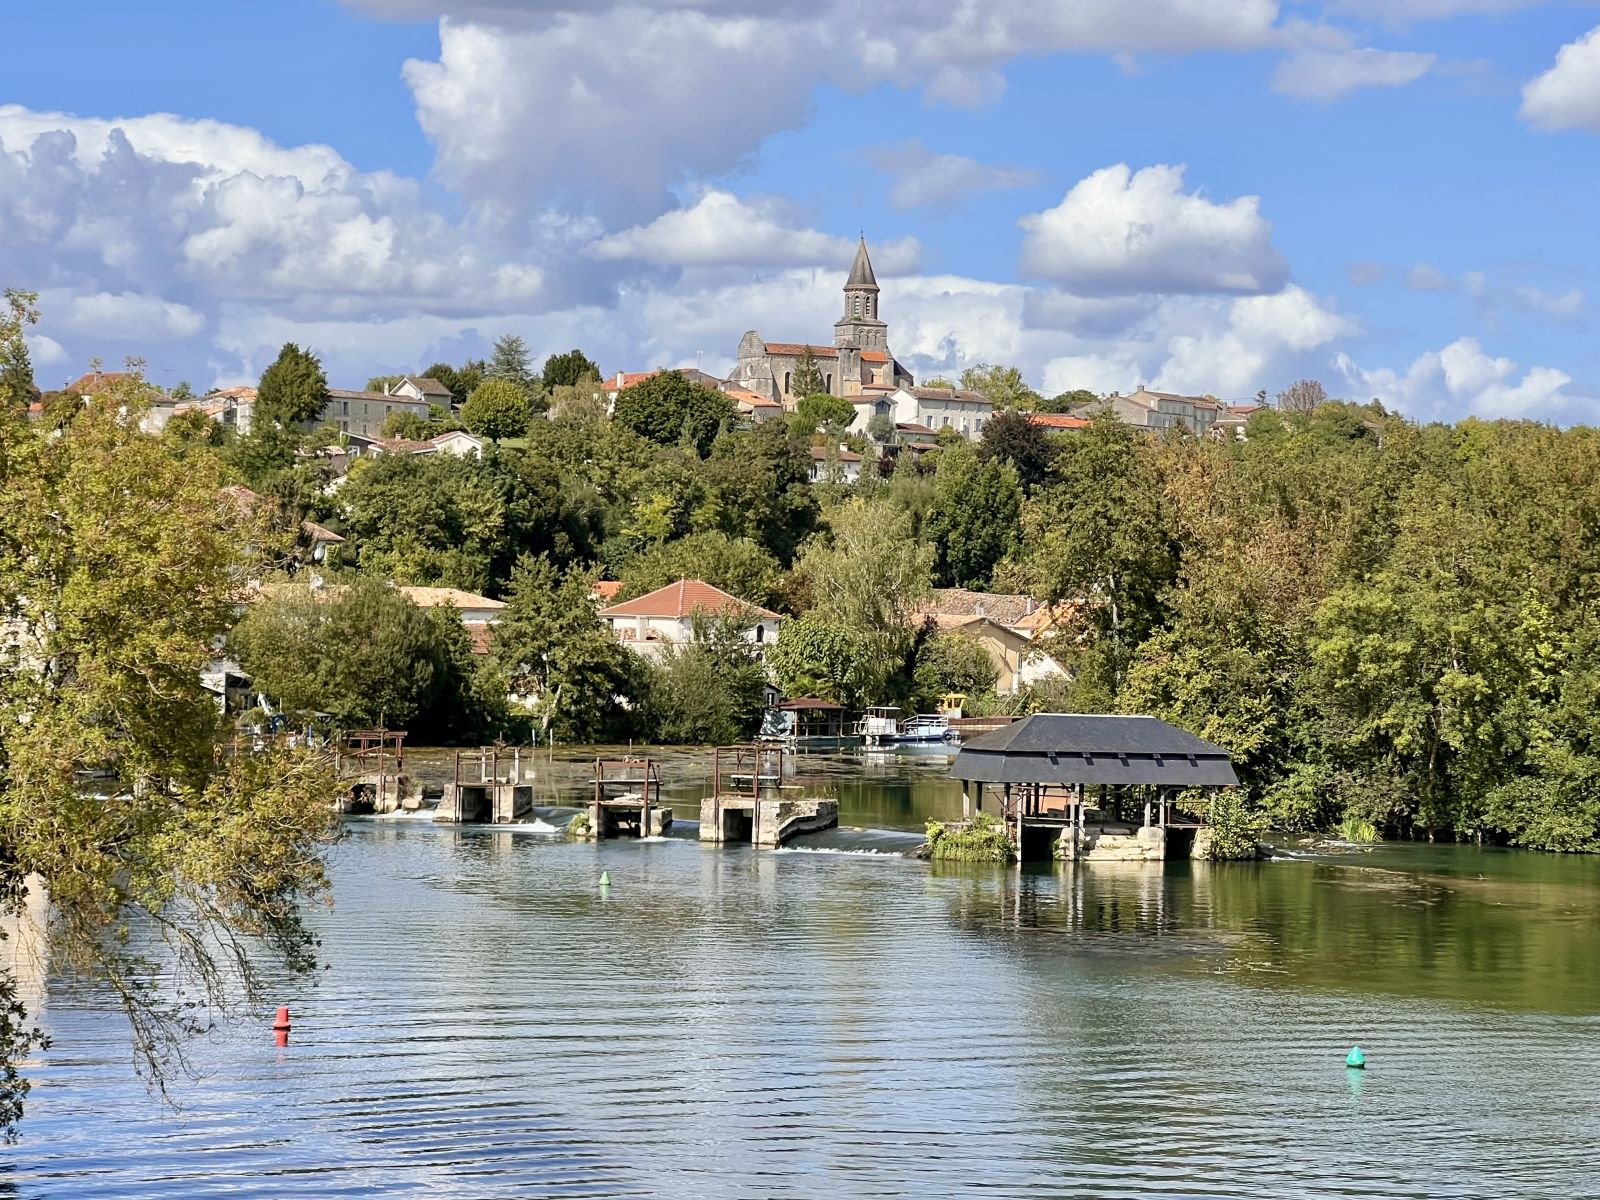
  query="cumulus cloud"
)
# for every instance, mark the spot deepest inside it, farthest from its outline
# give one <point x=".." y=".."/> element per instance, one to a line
<point x="44" y="351"/>
<point x="1464" y="378"/>
<point x="720" y="230"/>
<point x="131" y="316"/>
<point x="1567" y="96"/>
<point x="614" y="103"/>
<point x="1123" y="232"/>
<point x="925" y="179"/>
<point x="1333" y="74"/>
<point x="1235" y="360"/>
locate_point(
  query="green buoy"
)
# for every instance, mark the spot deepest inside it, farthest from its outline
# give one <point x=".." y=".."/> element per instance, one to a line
<point x="605" y="881"/>
<point x="1355" y="1059"/>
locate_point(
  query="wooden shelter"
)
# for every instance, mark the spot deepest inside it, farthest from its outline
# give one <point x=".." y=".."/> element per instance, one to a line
<point x="1044" y="768"/>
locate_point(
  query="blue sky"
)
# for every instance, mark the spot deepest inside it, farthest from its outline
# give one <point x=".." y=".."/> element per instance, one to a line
<point x="1207" y="195"/>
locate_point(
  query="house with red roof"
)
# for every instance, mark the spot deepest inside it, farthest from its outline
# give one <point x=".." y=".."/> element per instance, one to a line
<point x="665" y="617"/>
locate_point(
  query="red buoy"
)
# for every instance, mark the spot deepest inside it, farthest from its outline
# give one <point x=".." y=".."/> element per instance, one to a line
<point x="282" y="1021"/>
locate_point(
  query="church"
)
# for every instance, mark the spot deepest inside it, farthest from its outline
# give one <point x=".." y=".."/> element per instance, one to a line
<point x="858" y="363"/>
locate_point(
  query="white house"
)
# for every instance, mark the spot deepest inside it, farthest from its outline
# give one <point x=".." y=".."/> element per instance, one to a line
<point x="934" y="408"/>
<point x="428" y="391"/>
<point x="835" y="464"/>
<point x="665" y="617"/>
<point x="458" y="442"/>
<point x="477" y="612"/>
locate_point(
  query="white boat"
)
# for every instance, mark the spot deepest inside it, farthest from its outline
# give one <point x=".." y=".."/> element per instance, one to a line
<point x="883" y="726"/>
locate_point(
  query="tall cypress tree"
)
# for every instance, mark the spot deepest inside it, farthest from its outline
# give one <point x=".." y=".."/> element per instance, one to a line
<point x="293" y="389"/>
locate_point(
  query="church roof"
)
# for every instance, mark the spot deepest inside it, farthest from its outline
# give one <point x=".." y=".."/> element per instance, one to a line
<point x="861" y="275"/>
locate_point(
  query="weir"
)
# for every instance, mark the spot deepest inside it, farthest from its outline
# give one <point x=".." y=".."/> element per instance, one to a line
<point x="626" y="801"/>
<point x="488" y="787"/>
<point x="373" y="764"/>
<point x="748" y="801"/>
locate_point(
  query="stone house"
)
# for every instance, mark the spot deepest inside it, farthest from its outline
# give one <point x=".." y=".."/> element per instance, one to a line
<point x="1145" y="409"/>
<point x="1015" y="631"/>
<point x="932" y="408"/>
<point x="363" y="413"/>
<point x="428" y="391"/>
<point x="665" y="617"/>
<point x="835" y="464"/>
<point x="859" y="357"/>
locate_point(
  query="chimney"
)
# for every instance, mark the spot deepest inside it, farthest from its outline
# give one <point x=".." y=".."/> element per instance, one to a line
<point x="619" y="381"/>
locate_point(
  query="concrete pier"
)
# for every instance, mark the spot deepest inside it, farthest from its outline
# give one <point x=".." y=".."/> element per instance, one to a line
<point x="764" y="823"/>
<point x="487" y="787"/>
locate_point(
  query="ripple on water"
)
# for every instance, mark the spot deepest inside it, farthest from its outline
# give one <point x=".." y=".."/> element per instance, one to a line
<point x="723" y="1023"/>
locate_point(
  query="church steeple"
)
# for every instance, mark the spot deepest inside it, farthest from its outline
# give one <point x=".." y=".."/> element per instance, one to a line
<point x="860" y="327"/>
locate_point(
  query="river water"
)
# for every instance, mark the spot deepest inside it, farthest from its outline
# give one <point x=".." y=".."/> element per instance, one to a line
<point x="842" y="1021"/>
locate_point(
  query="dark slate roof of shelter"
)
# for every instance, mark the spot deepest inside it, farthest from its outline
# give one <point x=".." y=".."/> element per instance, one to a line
<point x="1077" y="748"/>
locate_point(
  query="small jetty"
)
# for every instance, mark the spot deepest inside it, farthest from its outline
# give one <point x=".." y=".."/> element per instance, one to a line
<point x="488" y="787"/>
<point x="626" y="801"/>
<point x="373" y="764"/>
<point x="1075" y="786"/>
<point x="750" y="802"/>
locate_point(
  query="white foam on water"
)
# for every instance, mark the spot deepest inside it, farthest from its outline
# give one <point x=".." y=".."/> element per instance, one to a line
<point x="884" y="854"/>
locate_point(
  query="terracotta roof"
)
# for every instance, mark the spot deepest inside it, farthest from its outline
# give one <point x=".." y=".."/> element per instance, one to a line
<point x="427" y="386"/>
<point x="1243" y="410"/>
<point x="629" y="378"/>
<point x="681" y="599"/>
<point x="481" y="636"/>
<point x="753" y="399"/>
<point x="1145" y="396"/>
<point x="796" y="349"/>
<point x="878" y="356"/>
<point x="241" y="394"/>
<point x="402" y="446"/>
<point x="822" y="454"/>
<point x="1056" y="421"/>
<point x="626" y="379"/>
<point x="1004" y="608"/>
<point x="437" y="597"/>
<point x="91" y="382"/>
<point x="607" y="589"/>
<point x="909" y="427"/>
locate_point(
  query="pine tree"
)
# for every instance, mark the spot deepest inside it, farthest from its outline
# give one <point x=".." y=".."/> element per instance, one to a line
<point x="293" y="389"/>
<point x="807" y="380"/>
<point x="510" y="362"/>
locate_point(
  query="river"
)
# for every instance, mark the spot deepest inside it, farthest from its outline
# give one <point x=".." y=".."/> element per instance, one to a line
<point x="843" y="1021"/>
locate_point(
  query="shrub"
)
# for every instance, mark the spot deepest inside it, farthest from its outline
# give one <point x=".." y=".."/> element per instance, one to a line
<point x="984" y="839"/>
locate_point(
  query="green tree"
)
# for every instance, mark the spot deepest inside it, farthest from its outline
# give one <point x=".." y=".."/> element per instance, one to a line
<point x="118" y="562"/>
<point x="880" y="428"/>
<point x="17" y="389"/>
<point x="1003" y="386"/>
<point x="974" y="520"/>
<point x="293" y="390"/>
<point x="1067" y="401"/>
<point x="510" y="362"/>
<point x="468" y="376"/>
<point x="560" y="658"/>
<point x="669" y="410"/>
<point x="948" y="662"/>
<point x="382" y="383"/>
<point x="710" y="690"/>
<point x="737" y="565"/>
<point x="826" y="660"/>
<point x="498" y="409"/>
<point x="566" y="370"/>
<point x="364" y="654"/>
<point x="1009" y="437"/>
<point x="819" y="409"/>
<point x="1100" y="538"/>
<point x="867" y="575"/>
<point x="807" y="378"/>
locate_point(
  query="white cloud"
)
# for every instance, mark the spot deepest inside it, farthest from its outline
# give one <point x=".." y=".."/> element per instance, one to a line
<point x="1424" y="277"/>
<point x="924" y="179"/>
<point x="1567" y="96"/>
<point x="1406" y="12"/>
<point x="44" y="351"/>
<point x="612" y="104"/>
<point x="1332" y="74"/>
<point x="720" y="229"/>
<point x="1562" y="305"/>
<point x="1260" y="331"/>
<point x="1123" y="232"/>
<point x="1464" y="379"/>
<point x="130" y="316"/>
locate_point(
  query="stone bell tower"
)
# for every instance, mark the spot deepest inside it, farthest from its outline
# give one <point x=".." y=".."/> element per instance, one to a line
<point x="859" y="328"/>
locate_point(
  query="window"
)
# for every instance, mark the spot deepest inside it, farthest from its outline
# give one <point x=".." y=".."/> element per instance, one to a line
<point x="828" y="380"/>
<point x="944" y="421"/>
<point x="761" y="631"/>
<point x="787" y="376"/>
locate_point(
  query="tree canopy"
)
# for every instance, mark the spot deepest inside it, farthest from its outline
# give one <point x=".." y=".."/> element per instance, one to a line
<point x="566" y="370"/>
<point x="668" y="409"/>
<point x="1004" y="386"/>
<point x="497" y="409"/>
<point x="293" y="390"/>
